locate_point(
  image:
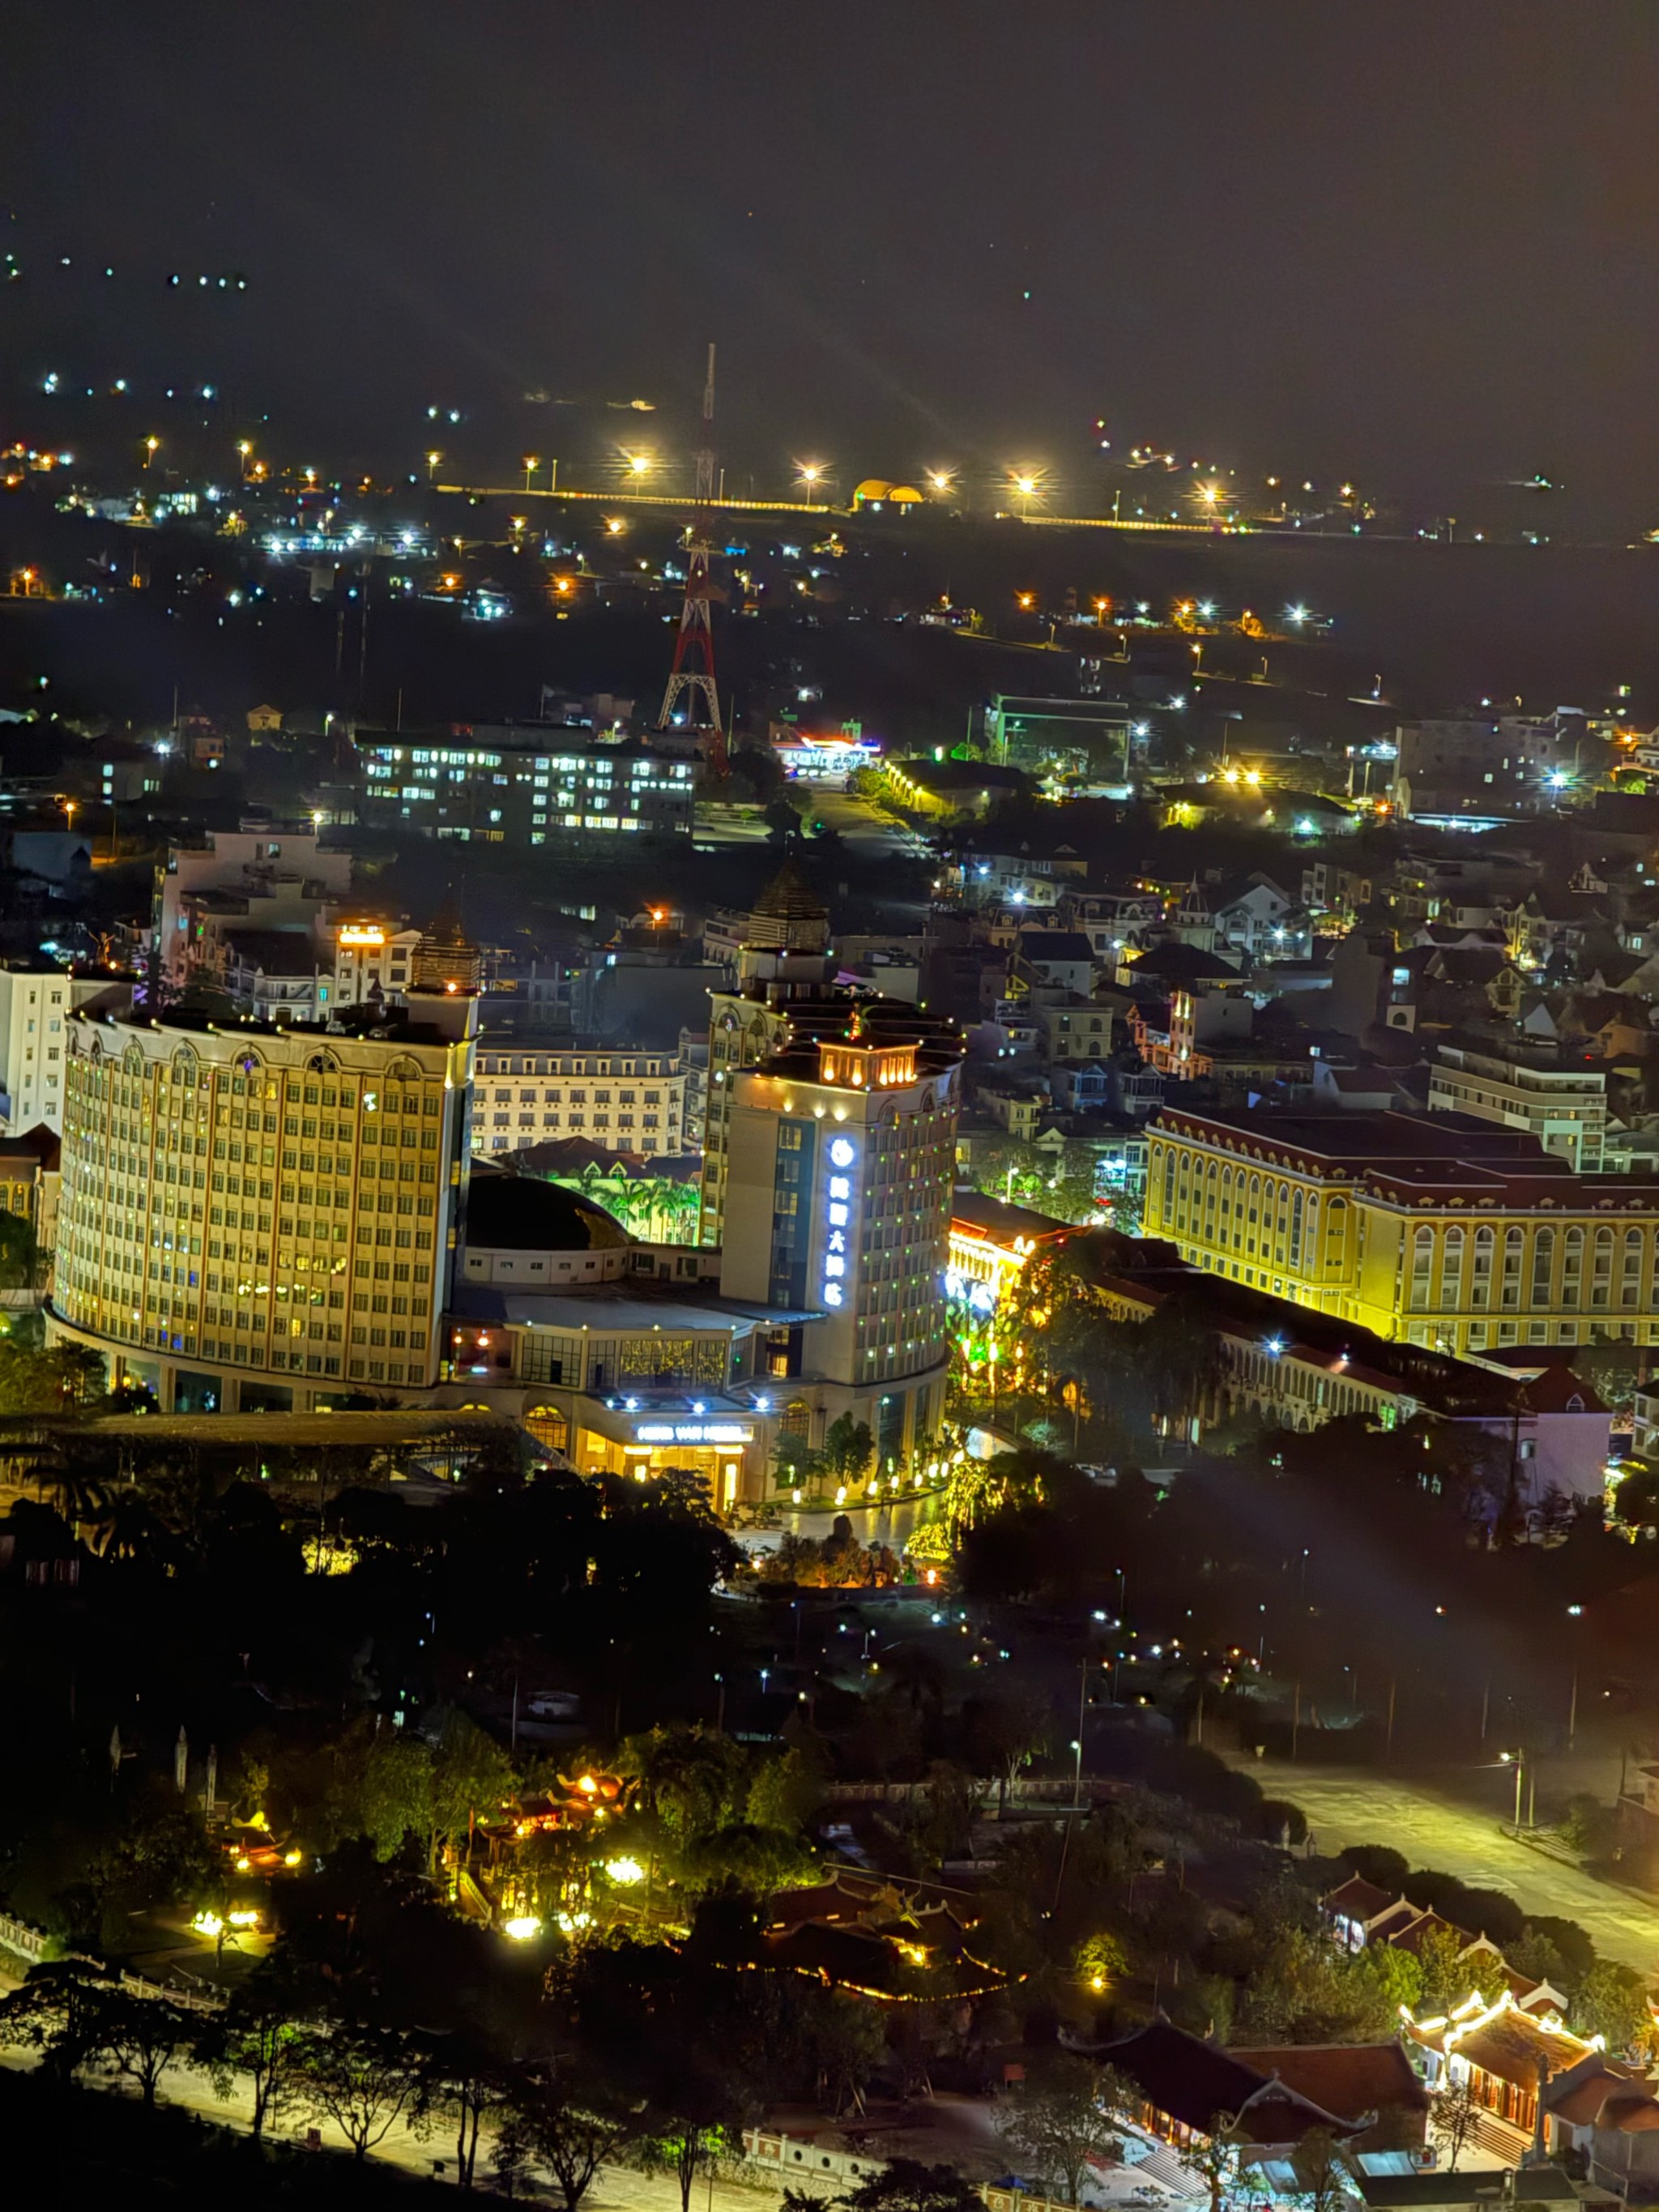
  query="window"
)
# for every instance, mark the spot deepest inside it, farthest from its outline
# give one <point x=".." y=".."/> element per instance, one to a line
<point x="1513" y="1240"/>
<point x="1481" y="1282"/>
<point x="1572" y="1267"/>
<point x="1451" y="1268"/>
<point x="1543" y="1266"/>
<point x="1422" y="1265"/>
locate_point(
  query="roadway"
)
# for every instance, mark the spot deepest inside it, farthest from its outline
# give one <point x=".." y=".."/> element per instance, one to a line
<point x="1347" y="1806"/>
<point x="866" y="829"/>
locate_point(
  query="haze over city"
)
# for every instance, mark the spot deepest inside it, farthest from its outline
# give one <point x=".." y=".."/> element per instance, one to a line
<point x="829" y="1115"/>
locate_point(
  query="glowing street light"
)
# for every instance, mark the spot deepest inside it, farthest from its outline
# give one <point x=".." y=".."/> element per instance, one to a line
<point x="941" y="480"/>
<point x="532" y="463"/>
<point x="810" y="475"/>
<point x="432" y="461"/>
<point x="245" y="447"/>
<point x="1026" y="485"/>
<point x="1297" y="615"/>
<point x="152" y="446"/>
<point x="640" y="465"/>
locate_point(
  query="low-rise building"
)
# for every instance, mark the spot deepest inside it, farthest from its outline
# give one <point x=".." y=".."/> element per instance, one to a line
<point x="531" y="1090"/>
<point x="1566" y="1108"/>
<point x="522" y="784"/>
<point x="1449" y="1231"/>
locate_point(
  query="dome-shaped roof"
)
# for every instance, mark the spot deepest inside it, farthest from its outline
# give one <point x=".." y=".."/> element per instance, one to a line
<point x="905" y="495"/>
<point x="509" y="1213"/>
<point x="874" y="487"/>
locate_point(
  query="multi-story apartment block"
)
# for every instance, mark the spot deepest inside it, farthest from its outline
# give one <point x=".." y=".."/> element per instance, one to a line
<point x="36" y="1000"/>
<point x="535" y="1092"/>
<point x="522" y="784"/>
<point x="261" y="1219"/>
<point x="1565" y="1108"/>
<point x="1453" y="1233"/>
<point x="837" y="1197"/>
<point x="272" y="880"/>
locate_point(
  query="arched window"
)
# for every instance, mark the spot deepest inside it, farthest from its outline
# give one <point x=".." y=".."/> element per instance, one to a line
<point x="1451" y="1268"/>
<point x="1543" y="1267"/>
<point x="1422" y="1266"/>
<point x="1572" y="1267"/>
<point x="1296" y="1230"/>
<point x="1513" y="1240"/>
<point x="1169" y="1182"/>
<point x="1630" y="1269"/>
<point x="1602" y="1269"/>
<point x="1480" y="1281"/>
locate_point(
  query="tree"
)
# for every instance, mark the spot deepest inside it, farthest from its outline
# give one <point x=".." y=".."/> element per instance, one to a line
<point x="140" y="2036"/>
<point x="1066" y="2120"/>
<point x="906" y="2185"/>
<point x="1398" y="1976"/>
<point x="463" y="2075"/>
<point x="794" y="1462"/>
<point x="1455" y="2119"/>
<point x="1610" y="2001"/>
<point x="471" y="1772"/>
<point x="848" y="2043"/>
<point x="362" y="2078"/>
<point x="394" y="1794"/>
<point x="1447" y="1976"/>
<point x="848" y="1449"/>
<point x="259" y="2037"/>
<point x="572" y="2124"/>
<point x="57" y="2012"/>
<point x="1324" y="2177"/>
<point x="688" y="1774"/>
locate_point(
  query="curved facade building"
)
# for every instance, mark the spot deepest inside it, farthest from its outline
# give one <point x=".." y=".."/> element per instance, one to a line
<point x="256" y="1218"/>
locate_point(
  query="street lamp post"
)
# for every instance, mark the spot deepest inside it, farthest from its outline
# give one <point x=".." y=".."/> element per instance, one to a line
<point x="432" y="461"/>
<point x="811" y="474"/>
<point x="530" y="465"/>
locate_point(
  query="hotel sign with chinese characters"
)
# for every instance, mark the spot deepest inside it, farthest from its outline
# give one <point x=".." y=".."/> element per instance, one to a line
<point x="839" y="1199"/>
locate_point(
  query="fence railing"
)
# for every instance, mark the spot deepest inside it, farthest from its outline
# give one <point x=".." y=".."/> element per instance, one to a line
<point x="33" y="1944"/>
<point x="798" y="2161"/>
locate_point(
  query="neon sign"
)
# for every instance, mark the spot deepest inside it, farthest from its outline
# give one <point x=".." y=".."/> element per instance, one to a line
<point x="838" y="1217"/>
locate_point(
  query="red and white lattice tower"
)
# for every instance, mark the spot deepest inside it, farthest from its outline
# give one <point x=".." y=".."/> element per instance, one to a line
<point x="691" y="678"/>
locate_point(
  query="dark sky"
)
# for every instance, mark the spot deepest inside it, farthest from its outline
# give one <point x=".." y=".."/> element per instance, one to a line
<point x="1412" y="243"/>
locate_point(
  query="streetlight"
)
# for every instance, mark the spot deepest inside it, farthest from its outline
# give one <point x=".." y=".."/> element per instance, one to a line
<point x="432" y="461"/>
<point x="811" y="474"/>
<point x="245" y="447"/>
<point x="1026" y="486"/>
<point x="640" y="465"/>
<point x="530" y="465"/>
<point x="152" y="446"/>
<point x="941" y="480"/>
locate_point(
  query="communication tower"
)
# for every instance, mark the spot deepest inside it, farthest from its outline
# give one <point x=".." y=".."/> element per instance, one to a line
<point x="693" y="670"/>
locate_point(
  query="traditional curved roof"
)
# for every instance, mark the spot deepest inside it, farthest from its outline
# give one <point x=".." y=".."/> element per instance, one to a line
<point x="874" y="487"/>
<point x="508" y="1213"/>
<point x="905" y="495"/>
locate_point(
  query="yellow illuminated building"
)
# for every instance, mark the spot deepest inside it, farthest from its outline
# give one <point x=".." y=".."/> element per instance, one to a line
<point x="1437" y="1229"/>
<point x="257" y="1219"/>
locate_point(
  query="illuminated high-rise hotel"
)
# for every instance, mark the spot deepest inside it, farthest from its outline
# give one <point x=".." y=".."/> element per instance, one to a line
<point x="839" y="1169"/>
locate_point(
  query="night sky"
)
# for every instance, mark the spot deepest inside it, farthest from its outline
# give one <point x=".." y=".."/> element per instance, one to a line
<point x="1412" y="244"/>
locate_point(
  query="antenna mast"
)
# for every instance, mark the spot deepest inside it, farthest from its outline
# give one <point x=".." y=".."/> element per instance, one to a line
<point x="693" y="669"/>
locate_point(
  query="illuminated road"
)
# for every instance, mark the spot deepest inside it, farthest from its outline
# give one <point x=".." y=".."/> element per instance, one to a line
<point x="1432" y="1830"/>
